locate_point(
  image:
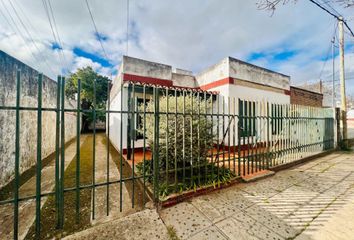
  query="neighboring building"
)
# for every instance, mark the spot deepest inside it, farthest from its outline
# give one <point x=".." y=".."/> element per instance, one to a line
<point x="305" y="97"/>
<point x="229" y="78"/>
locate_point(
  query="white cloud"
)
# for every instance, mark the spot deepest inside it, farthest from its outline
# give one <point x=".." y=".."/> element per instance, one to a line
<point x="186" y="34"/>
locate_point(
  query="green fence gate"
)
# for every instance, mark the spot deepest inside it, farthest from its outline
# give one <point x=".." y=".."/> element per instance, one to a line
<point x="163" y="142"/>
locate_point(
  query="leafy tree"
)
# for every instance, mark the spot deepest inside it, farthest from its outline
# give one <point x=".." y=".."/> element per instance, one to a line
<point x="87" y="76"/>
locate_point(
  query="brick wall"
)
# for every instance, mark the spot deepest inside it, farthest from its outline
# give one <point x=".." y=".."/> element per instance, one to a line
<point x="304" y="97"/>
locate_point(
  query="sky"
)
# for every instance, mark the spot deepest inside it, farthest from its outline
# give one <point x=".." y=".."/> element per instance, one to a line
<point x="187" y="34"/>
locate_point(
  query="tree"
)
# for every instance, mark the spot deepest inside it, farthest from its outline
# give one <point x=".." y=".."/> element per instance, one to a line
<point x="87" y="76"/>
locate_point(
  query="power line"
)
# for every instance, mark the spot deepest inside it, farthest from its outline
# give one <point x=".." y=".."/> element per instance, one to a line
<point x="53" y="33"/>
<point x="96" y="31"/>
<point x="328" y="52"/>
<point x="15" y="29"/>
<point x="30" y="36"/>
<point x="57" y="32"/>
<point x="332" y="14"/>
<point x="330" y="6"/>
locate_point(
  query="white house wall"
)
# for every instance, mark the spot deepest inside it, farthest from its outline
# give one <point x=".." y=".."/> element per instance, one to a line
<point x="115" y="120"/>
<point x="245" y="71"/>
<point x="214" y="73"/>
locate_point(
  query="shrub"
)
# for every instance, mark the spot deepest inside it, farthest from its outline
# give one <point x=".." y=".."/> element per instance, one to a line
<point x="185" y="142"/>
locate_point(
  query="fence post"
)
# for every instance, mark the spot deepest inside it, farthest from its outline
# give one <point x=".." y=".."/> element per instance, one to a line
<point x="156" y="144"/>
<point x="62" y="154"/>
<point x="338" y="127"/>
<point x="17" y="154"/>
<point x="57" y="153"/>
<point x="39" y="157"/>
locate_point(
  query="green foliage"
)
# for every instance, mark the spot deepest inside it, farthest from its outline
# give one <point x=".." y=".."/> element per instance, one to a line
<point x="210" y="175"/>
<point x="174" y="133"/>
<point x="87" y="76"/>
<point x="185" y="143"/>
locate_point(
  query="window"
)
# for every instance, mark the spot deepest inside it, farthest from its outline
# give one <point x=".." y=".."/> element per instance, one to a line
<point x="276" y="119"/>
<point x="247" y="118"/>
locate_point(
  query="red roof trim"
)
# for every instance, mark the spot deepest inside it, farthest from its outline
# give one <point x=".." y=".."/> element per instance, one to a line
<point x="217" y="83"/>
<point x="149" y="80"/>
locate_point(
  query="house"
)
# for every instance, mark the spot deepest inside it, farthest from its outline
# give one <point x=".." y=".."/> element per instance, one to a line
<point x="230" y="78"/>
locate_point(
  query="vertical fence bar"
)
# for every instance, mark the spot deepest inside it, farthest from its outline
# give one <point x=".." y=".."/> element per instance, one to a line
<point x="297" y="124"/>
<point x="198" y="134"/>
<point x="223" y="131"/>
<point x="39" y="157"/>
<point x="229" y="130"/>
<point x="251" y="136"/>
<point x="175" y="163"/>
<point x="108" y="144"/>
<point x="133" y="144"/>
<point x="234" y="134"/>
<point x="166" y="137"/>
<point x="218" y="137"/>
<point x="239" y="121"/>
<point x="262" y="134"/>
<point x="156" y="144"/>
<point x="256" y="129"/>
<point x="57" y="153"/>
<point x="62" y="159"/>
<point x="17" y="153"/>
<point x="191" y="140"/>
<point x="184" y="139"/>
<point x="243" y="134"/>
<point x="212" y="136"/>
<point x="205" y="140"/>
<point x="268" y="137"/>
<point x="94" y="151"/>
<point x="144" y="144"/>
<point x="248" y="132"/>
<point x="78" y="150"/>
<point x="121" y="148"/>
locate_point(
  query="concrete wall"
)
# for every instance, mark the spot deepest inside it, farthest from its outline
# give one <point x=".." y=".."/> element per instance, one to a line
<point x="183" y="71"/>
<point x="216" y="72"/>
<point x="144" y="68"/>
<point x="182" y="80"/>
<point x="28" y="119"/>
<point x="245" y="71"/>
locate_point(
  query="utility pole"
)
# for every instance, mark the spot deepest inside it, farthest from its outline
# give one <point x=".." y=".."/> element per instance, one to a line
<point x="342" y="81"/>
<point x="333" y="74"/>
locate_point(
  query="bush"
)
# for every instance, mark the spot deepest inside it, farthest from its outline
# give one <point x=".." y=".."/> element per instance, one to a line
<point x="193" y="130"/>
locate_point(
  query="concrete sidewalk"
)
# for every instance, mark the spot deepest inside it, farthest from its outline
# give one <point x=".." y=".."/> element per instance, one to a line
<point x="311" y="201"/>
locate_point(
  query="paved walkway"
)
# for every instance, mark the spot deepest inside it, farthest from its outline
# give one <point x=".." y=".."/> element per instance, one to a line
<point x="114" y="189"/>
<point x="27" y="209"/>
<point x="311" y="201"/>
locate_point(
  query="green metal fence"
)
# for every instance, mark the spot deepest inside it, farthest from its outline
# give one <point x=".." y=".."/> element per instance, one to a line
<point x="172" y="140"/>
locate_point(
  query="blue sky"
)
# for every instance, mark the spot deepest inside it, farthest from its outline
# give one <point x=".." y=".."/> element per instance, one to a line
<point x="185" y="34"/>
